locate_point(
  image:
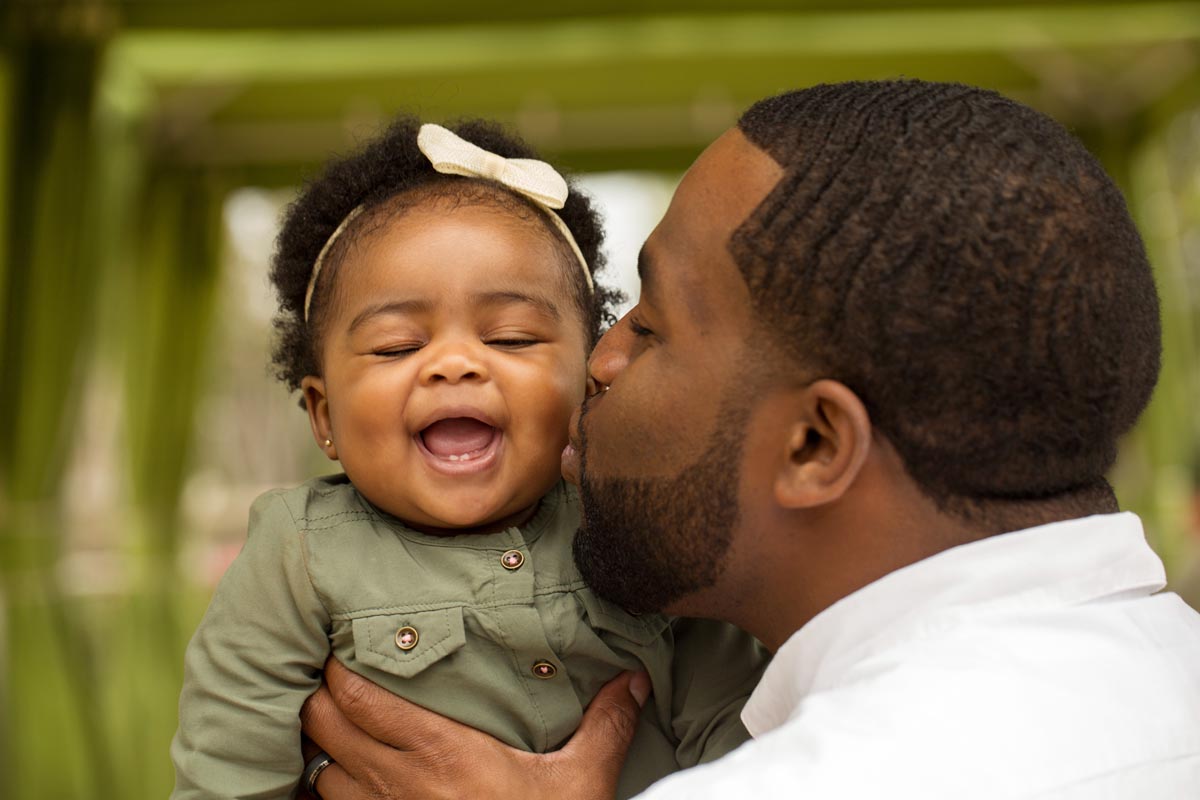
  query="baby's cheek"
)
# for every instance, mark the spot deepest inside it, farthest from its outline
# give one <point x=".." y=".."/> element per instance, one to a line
<point x="551" y="413"/>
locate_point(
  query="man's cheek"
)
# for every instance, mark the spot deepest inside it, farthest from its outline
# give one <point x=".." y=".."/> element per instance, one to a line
<point x="628" y="444"/>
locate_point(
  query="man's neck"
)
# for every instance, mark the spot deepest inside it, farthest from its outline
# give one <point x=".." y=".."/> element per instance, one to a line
<point x="831" y="555"/>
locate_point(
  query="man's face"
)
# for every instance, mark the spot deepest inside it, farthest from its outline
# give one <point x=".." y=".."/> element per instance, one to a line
<point x="658" y="454"/>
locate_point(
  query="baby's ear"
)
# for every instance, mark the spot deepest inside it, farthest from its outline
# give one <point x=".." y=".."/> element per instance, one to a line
<point x="828" y="443"/>
<point x="317" y="404"/>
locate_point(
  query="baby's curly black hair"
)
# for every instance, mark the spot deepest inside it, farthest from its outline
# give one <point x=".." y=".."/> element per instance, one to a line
<point x="385" y="177"/>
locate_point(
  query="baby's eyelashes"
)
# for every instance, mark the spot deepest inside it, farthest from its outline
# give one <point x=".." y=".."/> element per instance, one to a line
<point x="511" y="344"/>
<point x="503" y="343"/>
<point x="395" y="352"/>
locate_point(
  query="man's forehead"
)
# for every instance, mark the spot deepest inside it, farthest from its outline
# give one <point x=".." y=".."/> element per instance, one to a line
<point x="734" y="172"/>
<point x="689" y="250"/>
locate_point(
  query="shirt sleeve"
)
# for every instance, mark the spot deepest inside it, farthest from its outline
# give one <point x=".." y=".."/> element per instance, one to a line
<point x="715" y="668"/>
<point x="256" y="656"/>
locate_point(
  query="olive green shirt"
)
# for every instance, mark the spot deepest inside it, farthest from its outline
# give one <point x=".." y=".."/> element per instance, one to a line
<point x="497" y="630"/>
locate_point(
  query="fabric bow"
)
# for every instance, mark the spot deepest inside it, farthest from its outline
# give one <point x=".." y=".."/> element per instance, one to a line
<point x="450" y="154"/>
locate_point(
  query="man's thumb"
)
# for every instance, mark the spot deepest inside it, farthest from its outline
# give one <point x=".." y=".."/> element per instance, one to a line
<point x="611" y="719"/>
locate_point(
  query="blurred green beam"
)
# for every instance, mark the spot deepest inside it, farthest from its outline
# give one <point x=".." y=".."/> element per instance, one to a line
<point x="181" y="58"/>
<point x="349" y="14"/>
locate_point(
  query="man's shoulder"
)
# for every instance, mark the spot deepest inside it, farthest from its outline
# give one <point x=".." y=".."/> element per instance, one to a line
<point x="1016" y="705"/>
<point x="917" y="728"/>
<point x="1024" y="703"/>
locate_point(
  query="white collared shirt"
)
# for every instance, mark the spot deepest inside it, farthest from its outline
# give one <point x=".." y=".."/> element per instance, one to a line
<point x="1035" y="664"/>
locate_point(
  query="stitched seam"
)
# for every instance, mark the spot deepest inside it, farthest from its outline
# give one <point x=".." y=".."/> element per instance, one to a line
<point x="329" y="527"/>
<point x="498" y="618"/>
<point x="336" y="514"/>
<point x="359" y="613"/>
<point x="308" y="573"/>
<point x="560" y="588"/>
<point x="435" y="652"/>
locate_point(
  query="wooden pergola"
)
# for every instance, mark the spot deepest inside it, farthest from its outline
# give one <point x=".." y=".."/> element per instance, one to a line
<point x="125" y="123"/>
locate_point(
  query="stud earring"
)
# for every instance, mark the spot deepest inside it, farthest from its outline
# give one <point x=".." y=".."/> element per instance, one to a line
<point x="329" y="442"/>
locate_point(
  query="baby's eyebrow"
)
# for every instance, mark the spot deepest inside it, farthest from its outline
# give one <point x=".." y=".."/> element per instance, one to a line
<point x="540" y="302"/>
<point x="396" y="307"/>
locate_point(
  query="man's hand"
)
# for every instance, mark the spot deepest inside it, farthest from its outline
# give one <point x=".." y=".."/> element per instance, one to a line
<point x="386" y="747"/>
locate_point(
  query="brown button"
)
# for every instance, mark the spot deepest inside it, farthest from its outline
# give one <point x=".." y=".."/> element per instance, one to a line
<point x="544" y="670"/>
<point x="512" y="559"/>
<point x="406" y="638"/>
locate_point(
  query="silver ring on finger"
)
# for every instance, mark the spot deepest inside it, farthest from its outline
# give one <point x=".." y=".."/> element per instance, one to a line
<point x="312" y="770"/>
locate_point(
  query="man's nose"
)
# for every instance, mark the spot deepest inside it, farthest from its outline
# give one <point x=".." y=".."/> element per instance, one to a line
<point x="611" y="354"/>
<point x="452" y="363"/>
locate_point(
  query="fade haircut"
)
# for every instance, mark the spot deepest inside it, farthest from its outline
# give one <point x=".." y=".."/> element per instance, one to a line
<point x="967" y="268"/>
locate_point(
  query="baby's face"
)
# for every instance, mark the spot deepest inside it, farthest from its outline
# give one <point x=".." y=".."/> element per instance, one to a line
<point x="452" y="363"/>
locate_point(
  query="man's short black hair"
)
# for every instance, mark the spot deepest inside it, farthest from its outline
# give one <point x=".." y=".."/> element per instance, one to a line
<point x="385" y="177"/>
<point x="966" y="267"/>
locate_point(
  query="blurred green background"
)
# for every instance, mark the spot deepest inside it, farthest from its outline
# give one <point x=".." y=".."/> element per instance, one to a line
<point x="146" y="147"/>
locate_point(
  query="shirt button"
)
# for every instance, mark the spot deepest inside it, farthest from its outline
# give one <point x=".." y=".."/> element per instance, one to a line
<point x="512" y="559"/>
<point x="544" y="670"/>
<point x="406" y="638"/>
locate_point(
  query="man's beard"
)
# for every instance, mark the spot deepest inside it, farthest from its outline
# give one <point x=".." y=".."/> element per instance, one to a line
<point x="645" y="543"/>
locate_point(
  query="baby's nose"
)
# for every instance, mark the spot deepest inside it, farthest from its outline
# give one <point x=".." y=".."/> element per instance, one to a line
<point x="453" y="365"/>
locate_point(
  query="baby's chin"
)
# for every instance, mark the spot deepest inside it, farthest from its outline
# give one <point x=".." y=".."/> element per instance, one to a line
<point x="451" y="518"/>
<point x="457" y="524"/>
<point x="462" y="510"/>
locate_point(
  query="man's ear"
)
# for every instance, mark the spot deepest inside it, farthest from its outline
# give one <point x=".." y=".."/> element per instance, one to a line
<point x="827" y="445"/>
<point x="317" y="403"/>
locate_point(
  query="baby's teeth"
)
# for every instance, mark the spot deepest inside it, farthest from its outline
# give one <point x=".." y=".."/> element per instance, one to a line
<point x="463" y="457"/>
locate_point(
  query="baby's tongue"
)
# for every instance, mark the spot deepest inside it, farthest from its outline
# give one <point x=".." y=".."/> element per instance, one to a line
<point x="455" y="437"/>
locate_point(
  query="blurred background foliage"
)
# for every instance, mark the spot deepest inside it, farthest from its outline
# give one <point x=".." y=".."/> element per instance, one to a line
<point x="146" y="147"/>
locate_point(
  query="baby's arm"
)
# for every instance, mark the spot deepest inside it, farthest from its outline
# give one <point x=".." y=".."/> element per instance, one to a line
<point x="715" y="668"/>
<point x="254" y="659"/>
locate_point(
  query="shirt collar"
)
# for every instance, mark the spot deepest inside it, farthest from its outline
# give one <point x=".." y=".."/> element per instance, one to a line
<point x="1060" y="564"/>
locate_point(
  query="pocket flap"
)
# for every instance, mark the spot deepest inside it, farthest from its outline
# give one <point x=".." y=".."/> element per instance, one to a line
<point x="606" y="616"/>
<point x="437" y="635"/>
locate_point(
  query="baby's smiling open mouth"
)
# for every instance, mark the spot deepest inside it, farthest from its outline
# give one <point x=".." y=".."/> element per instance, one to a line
<point x="458" y="439"/>
<point x="459" y="444"/>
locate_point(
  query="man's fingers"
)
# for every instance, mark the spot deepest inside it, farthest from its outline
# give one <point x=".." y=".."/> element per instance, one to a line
<point x="388" y="718"/>
<point x="328" y="727"/>
<point x="334" y="783"/>
<point x="385" y="747"/>
<point x="610" y="722"/>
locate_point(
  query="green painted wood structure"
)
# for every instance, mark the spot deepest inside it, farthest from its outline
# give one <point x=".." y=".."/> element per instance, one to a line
<point x="125" y="123"/>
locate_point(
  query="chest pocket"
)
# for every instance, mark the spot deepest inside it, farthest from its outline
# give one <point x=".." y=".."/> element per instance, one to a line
<point x="405" y="644"/>
<point x="619" y="623"/>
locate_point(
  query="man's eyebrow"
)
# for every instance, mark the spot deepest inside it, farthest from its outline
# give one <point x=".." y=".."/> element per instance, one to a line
<point x="645" y="269"/>
<point x="505" y="298"/>
<point x="390" y="308"/>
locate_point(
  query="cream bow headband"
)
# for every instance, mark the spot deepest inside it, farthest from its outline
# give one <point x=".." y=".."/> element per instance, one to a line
<point x="450" y="154"/>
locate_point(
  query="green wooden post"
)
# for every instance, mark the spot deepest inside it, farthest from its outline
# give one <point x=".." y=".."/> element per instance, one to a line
<point x="1170" y="429"/>
<point x="52" y="737"/>
<point x="1154" y="474"/>
<point x="171" y="289"/>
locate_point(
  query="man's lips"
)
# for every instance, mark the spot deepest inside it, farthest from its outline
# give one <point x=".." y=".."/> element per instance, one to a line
<point x="571" y="453"/>
<point x="570" y="464"/>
